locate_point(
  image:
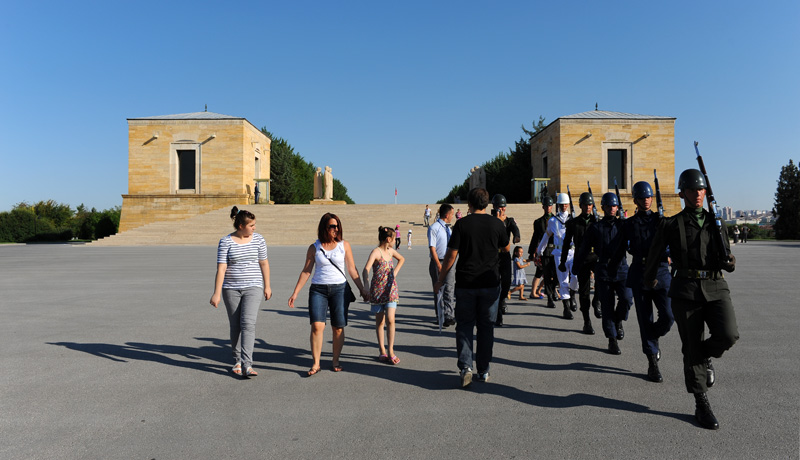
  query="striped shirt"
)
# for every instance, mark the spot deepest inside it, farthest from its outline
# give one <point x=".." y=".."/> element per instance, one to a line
<point x="243" y="269"/>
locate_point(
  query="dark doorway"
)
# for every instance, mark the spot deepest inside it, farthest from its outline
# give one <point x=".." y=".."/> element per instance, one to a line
<point x="186" y="170"/>
<point x="616" y="167"/>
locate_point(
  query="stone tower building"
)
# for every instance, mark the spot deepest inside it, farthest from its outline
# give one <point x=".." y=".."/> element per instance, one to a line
<point x="187" y="164"/>
<point x="598" y="146"/>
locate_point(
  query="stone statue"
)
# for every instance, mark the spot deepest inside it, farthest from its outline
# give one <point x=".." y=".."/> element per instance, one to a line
<point x="318" y="184"/>
<point x="328" y="195"/>
<point x="481" y="177"/>
<point x="477" y="178"/>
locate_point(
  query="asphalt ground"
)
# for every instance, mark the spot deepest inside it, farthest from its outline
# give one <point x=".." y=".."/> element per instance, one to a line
<point x="116" y="353"/>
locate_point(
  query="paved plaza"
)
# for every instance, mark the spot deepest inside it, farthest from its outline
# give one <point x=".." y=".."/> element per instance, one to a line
<point x="115" y="353"/>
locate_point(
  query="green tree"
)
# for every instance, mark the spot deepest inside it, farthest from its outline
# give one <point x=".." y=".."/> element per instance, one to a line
<point x="58" y="213"/>
<point x="292" y="177"/>
<point x="507" y="173"/>
<point x="787" y="203"/>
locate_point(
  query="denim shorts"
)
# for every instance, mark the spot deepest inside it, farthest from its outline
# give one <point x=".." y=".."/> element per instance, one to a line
<point x="330" y="298"/>
<point x="377" y="308"/>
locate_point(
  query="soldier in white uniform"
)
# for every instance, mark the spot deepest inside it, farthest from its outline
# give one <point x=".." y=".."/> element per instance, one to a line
<point x="556" y="227"/>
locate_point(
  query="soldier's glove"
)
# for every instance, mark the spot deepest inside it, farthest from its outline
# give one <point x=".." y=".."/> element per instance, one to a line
<point x="730" y="265"/>
<point x="562" y="267"/>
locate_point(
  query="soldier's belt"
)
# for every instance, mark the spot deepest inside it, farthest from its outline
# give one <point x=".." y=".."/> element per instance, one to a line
<point x="697" y="274"/>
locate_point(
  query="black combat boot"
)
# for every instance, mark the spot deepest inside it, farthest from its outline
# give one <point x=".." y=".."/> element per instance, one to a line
<point x="652" y="369"/>
<point x="598" y="313"/>
<point x="620" y="331"/>
<point x="550" y="303"/>
<point x="587" y="323"/>
<point x="567" y="312"/>
<point x="711" y="376"/>
<point x="703" y="412"/>
<point x="573" y="304"/>
<point x="613" y="347"/>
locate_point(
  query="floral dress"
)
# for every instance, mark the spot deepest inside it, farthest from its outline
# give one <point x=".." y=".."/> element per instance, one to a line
<point x="383" y="288"/>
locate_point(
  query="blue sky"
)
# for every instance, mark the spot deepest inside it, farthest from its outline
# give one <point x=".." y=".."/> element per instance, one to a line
<point x="406" y="94"/>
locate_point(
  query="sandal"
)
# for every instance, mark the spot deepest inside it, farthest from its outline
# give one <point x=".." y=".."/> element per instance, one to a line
<point x="336" y="368"/>
<point x="523" y="298"/>
<point x="250" y="372"/>
<point x="384" y="358"/>
<point x="313" y="371"/>
<point x="237" y="369"/>
<point x="395" y="360"/>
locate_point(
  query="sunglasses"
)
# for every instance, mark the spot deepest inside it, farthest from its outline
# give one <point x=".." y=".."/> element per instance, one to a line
<point x="333" y="226"/>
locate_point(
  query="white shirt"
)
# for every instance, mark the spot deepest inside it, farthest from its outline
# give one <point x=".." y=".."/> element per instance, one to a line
<point x="438" y="236"/>
<point x="324" y="271"/>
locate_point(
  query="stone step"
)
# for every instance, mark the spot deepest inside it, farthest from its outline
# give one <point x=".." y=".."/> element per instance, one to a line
<point x="288" y="225"/>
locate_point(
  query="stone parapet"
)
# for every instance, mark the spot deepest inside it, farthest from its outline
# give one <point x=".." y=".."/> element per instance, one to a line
<point x="139" y="210"/>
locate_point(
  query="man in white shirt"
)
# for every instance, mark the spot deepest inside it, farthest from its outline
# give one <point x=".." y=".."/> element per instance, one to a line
<point x="427" y="216"/>
<point x="438" y="237"/>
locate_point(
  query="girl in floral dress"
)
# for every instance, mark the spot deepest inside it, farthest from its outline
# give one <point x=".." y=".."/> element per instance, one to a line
<point x="383" y="290"/>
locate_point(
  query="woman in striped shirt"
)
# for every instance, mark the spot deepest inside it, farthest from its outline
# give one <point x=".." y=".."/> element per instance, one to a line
<point x="242" y="280"/>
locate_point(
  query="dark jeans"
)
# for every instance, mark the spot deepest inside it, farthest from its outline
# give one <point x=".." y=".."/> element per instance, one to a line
<point x="691" y="318"/>
<point x="476" y="307"/>
<point x="608" y="290"/>
<point x="505" y="280"/>
<point x="651" y="330"/>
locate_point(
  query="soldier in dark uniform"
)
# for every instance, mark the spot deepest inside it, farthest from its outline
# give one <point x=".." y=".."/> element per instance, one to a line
<point x="576" y="228"/>
<point x="603" y="238"/>
<point x="499" y="210"/>
<point x="699" y="292"/>
<point x="545" y="266"/>
<point x="638" y="233"/>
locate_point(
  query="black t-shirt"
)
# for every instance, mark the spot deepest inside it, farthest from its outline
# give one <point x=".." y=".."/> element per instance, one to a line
<point x="478" y="237"/>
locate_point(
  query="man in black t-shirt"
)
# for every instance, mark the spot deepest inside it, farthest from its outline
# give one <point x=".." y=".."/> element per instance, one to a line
<point x="476" y="240"/>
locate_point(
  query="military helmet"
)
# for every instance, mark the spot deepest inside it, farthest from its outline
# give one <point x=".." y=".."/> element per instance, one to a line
<point x="562" y="198"/>
<point x="547" y="201"/>
<point x="691" y="179"/>
<point x="642" y="189"/>
<point x="499" y="201"/>
<point x="586" y="198"/>
<point x="609" y="199"/>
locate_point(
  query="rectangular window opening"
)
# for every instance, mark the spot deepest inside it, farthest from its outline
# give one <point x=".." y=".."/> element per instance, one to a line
<point x="616" y="167"/>
<point x="186" y="169"/>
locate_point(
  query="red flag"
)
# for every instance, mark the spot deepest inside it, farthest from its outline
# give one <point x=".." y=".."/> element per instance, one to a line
<point x="395" y="191"/>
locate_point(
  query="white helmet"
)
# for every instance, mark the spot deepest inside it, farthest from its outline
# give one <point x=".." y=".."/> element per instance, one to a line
<point x="562" y="199"/>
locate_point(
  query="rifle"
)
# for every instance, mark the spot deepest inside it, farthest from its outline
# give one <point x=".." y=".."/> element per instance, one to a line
<point x="571" y="208"/>
<point x="594" y="205"/>
<point x="725" y="254"/>
<point x="659" y="203"/>
<point x="620" y="210"/>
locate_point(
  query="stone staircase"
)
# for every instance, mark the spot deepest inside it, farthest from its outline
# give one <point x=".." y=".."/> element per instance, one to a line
<point x="289" y="225"/>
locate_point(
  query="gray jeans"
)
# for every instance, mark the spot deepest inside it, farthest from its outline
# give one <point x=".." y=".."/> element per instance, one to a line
<point x="242" y="306"/>
<point x="449" y="291"/>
